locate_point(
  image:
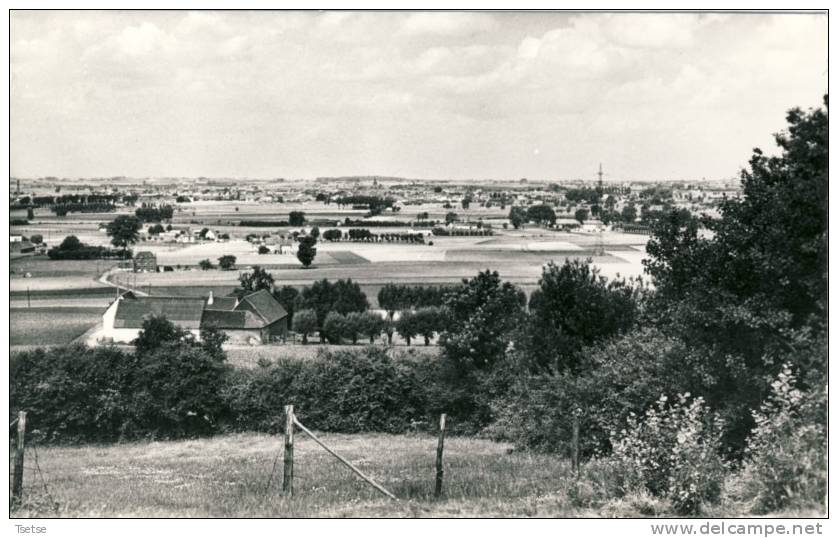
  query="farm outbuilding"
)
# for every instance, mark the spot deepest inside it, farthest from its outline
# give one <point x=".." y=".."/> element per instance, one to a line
<point x="256" y="318"/>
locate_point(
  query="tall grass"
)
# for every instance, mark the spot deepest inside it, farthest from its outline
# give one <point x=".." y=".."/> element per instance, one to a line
<point x="240" y="476"/>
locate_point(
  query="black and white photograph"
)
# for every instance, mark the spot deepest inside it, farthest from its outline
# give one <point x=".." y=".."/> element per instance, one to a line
<point x="403" y="263"/>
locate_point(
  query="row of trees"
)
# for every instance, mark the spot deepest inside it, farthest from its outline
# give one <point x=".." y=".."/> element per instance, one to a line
<point x="63" y="209"/>
<point x="425" y="322"/>
<point x="73" y="249"/>
<point x="153" y="213"/>
<point x="363" y="234"/>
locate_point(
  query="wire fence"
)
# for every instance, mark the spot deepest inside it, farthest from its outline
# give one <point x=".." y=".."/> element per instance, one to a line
<point x="27" y="484"/>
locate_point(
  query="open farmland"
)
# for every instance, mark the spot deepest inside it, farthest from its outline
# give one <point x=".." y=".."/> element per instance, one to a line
<point x="517" y="255"/>
<point x="50" y="325"/>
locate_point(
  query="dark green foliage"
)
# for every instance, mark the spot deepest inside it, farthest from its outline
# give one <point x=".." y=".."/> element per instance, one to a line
<point x="287" y="297"/>
<point x="80" y="394"/>
<point x="343" y="391"/>
<point x="73" y="249"/>
<point x="71" y="393"/>
<point x="124" y="230"/>
<point x="255" y="280"/>
<point x="584" y="194"/>
<point x="517" y="216"/>
<point x="71" y="242"/>
<point x="324" y="296"/>
<point x="174" y="391"/>
<point x="406" y="326"/>
<point x="332" y="234"/>
<point x="393" y="297"/>
<point x="581" y="215"/>
<point x="149" y="213"/>
<point x="306" y="251"/>
<point x="227" y="262"/>
<point x="158" y="331"/>
<point x="305" y="323"/>
<point x="483" y="314"/>
<point x="629" y="213"/>
<point x="205" y="265"/>
<point x="574" y="307"/>
<point x="430" y="320"/>
<point x="542" y="214"/>
<point x="752" y="296"/>
<point x="335" y="327"/>
<point x="296" y="218"/>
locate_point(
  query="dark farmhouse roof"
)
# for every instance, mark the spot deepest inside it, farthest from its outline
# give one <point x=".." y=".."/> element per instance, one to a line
<point x="254" y="311"/>
<point x="183" y="311"/>
<point x="223" y="303"/>
<point x="265" y="306"/>
<point x="230" y="319"/>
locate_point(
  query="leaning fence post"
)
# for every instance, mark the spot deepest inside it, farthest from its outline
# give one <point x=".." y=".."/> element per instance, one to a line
<point x="17" y="481"/>
<point x="439" y="448"/>
<point x="288" y="468"/>
<point x="574" y="455"/>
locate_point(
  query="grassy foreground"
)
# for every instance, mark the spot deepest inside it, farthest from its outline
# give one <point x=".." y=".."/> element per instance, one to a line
<point x="241" y="475"/>
<point x="228" y="476"/>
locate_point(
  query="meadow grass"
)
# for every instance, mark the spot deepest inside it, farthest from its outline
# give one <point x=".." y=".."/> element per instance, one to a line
<point x="50" y="325"/>
<point x="241" y="475"/>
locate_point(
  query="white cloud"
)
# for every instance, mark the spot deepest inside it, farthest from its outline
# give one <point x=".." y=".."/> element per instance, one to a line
<point x="414" y="93"/>
<point x="446" y="24"/>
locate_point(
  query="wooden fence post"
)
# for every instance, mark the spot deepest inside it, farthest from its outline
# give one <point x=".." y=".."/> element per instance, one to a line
<point x="439" y="448"/>
<point x="17" y="480"/>
<point x="575" y="444"/>
<point x="288" y="468"/>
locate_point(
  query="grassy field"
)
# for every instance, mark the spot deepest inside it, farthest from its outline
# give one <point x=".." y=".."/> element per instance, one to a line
<point x="240" y="476"/>
<point x="50" y="326"/>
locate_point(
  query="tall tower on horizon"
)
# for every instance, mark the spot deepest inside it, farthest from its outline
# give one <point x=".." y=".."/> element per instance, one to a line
<point x="599" y="247"/>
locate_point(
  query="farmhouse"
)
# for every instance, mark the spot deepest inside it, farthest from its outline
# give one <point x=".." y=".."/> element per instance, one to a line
<point x="256" y="318"/>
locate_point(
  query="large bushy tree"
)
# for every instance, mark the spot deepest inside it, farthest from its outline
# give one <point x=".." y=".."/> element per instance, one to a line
<point x="483" y="313"/>
<point x="574" y="307"/>
<point x="751" y="294"/>
<point x="124" y="230"/>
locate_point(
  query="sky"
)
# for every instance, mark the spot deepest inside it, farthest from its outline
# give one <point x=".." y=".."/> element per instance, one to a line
<point x="437" y="95"/>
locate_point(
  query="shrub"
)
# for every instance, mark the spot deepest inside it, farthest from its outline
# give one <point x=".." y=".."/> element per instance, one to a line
<point x="79" y="394"/>
<point x="305" y="323"/>
<point x="227" y="262"/>
<point x="672" y="452"/>
<point x="175" y="391"/>
<point x="335" y="327"/>
<point x="342" y="391"/>
<point x="786" y="455"/>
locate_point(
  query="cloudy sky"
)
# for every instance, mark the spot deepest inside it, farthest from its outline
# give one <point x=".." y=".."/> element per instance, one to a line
<point x="425" y="95"/>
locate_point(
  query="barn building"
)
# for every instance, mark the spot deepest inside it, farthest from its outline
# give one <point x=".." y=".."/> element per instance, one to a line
<point x="256" y="318"/>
